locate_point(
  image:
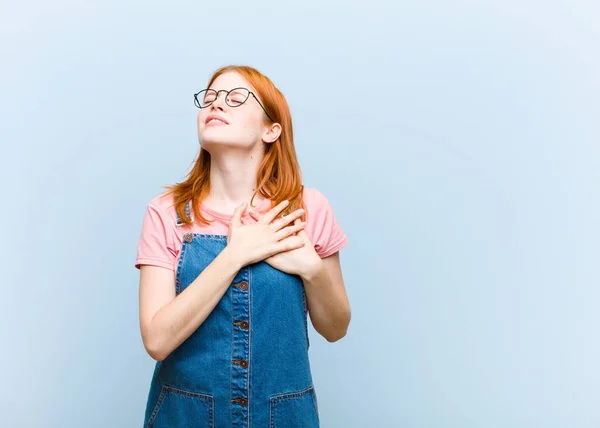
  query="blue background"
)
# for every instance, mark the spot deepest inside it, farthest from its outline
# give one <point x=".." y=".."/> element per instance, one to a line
<point x="456" y="141"/>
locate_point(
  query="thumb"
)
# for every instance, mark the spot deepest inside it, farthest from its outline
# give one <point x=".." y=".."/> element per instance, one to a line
<point x="236" y="220"/>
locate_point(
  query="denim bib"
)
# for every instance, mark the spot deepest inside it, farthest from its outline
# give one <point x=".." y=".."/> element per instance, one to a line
<point x="247" y="364"/>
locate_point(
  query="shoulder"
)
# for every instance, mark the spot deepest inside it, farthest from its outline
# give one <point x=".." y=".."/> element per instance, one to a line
<point x="157" y="244"/>
<point x="163" y="200"/>
<point x="163" y="204"/>
<point x="313" y="198"/>
<point x="160" y="214"/>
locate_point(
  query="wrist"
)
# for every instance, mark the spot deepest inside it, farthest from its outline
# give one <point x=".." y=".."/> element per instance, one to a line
<point x="233" y="257"/>
<point x="313" y="270"/>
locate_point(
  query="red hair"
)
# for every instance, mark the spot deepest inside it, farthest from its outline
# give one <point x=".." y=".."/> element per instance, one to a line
<point x="278" y="176"/>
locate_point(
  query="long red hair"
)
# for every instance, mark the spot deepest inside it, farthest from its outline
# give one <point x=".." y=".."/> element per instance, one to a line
<point x="278" y="177"/>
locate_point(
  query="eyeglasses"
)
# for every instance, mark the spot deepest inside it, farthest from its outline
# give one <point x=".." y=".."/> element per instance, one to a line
<point x="234" y="98"/>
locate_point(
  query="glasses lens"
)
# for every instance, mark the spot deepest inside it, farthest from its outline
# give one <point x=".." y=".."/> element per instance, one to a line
<point x="203" y="98"/>
<point x="207" y="97"/>
<point x="237" y="96"/>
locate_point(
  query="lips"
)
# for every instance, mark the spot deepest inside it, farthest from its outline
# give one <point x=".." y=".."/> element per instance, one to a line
<point x="214" y="119"/>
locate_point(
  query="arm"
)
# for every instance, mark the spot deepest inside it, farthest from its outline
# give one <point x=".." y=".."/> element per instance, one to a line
<point x="328" y="303"/>
<point x="167" y="320"/>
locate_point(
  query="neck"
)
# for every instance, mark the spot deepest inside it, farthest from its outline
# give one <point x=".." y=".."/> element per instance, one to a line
<point x="232" y="179"/>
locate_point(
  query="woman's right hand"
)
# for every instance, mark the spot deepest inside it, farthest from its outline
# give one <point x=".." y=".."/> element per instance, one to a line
<point x="251" y="243"/>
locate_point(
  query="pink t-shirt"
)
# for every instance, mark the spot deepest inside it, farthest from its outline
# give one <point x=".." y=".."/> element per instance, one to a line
<point x="161" y="238"/>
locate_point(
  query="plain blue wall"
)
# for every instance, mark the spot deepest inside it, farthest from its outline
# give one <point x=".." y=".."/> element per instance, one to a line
<point x="456" y="142"/>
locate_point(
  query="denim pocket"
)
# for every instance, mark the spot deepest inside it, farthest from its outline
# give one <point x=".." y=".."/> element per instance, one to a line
<point x="176" y="407"/>
<point x="294" y="409"/>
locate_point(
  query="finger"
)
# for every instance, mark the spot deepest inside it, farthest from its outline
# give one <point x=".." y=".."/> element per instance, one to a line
<point x="290" y="230"/>
<point x="272" y="213"/>
<point x="302" y="231"/>
<point x="256" y="216"/>
<point x="289" y="243"/>
<point x="285" y="220"/>
<point x="236" y="219"/>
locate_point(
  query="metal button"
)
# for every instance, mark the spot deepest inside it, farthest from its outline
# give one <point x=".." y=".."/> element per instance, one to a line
<point x="188" y="237"/>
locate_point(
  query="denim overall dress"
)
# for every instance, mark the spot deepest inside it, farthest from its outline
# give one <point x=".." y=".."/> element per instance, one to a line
<point x="247" y="364"/>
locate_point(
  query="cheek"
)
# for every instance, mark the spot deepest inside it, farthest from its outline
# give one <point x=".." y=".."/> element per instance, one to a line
<point x="252" y="128"/>
<point x="201" y="117"/>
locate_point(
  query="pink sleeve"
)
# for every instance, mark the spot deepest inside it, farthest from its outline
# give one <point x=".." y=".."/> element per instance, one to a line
<point x="325" y="231"/>
<point x="155" y="246"/>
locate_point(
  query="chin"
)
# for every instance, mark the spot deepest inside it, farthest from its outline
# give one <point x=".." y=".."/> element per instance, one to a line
<point x="210" y="137"/>
<point x="210" y="144"/>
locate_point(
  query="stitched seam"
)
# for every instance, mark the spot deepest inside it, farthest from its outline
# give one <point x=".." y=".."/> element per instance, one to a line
<point x="215" y="236"/>
<point x="288" y="395"/>
<point x="212" y="413"/>
<point x="250" y="364"/>
<point x="271" y="420"/>
<point x="231" y="357"/>
<point x="161" y="397"/>
<point x="305" y="315"/>
<point x="179" y="266"/>
<point x="207" y="398"/>
<point x="193" y="394"/>
<point x="276" y="399"/>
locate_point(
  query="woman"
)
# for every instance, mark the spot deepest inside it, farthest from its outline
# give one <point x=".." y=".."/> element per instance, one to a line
<point x="230" y="262"/>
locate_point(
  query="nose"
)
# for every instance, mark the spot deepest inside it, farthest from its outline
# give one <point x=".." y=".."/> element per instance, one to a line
<point x="219" y="102"/>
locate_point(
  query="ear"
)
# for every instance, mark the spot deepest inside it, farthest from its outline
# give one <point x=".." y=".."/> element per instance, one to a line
<point x="272" y="133"/>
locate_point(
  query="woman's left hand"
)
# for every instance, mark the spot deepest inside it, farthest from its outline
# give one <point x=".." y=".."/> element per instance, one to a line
<point x="300" y="261"/>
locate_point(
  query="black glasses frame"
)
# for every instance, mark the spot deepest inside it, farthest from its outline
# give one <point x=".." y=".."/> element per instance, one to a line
<point x="199" y="105"/>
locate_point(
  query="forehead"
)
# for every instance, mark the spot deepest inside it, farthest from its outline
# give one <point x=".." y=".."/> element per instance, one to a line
<point x="230" y="80"/>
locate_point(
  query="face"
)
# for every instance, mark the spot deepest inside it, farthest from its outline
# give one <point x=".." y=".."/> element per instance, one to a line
<point x="244" y="126"/>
